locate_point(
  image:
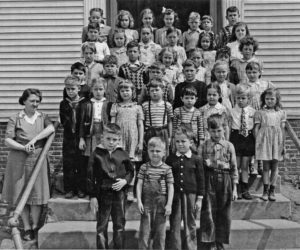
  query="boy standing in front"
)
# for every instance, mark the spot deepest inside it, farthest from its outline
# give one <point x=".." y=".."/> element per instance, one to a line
<point x="110" y="170"/>
<point x="154" y="196"/>
<point x="221" y="178"/>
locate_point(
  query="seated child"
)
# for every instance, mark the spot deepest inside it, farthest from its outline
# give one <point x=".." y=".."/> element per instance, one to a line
<point x="110" y="170"/>
<point x="221" y="177"/>
<point x="154" y="195"/>
<point x="69" y="112"/>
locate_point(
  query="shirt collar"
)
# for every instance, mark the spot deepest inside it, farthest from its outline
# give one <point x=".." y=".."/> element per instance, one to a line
<point x="23" y="114"/>
<point x="102" y="147"/>
<point x="136" y="63"/>
<point x="197" y="30"/>
<point x="97" y="101"/>
<point x="30" y="120"/>
<point x="188" y="154"/>
<point x="218" y="106"/>
<point x="222" y="142"/>
<point x="148" y="44"/>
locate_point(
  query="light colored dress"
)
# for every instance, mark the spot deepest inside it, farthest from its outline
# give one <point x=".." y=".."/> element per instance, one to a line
<point x="20" y="164"/>
<point x="269" y="141"/>
<point x="127" y="117"/>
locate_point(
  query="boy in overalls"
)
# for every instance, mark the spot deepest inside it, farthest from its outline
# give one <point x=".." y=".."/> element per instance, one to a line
<point x="154" y="196"/>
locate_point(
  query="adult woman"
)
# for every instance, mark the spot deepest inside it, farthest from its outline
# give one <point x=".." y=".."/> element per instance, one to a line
<point x="25" y="136"/>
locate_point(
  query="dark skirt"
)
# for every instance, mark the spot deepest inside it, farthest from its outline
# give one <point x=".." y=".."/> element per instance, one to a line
<point x="244" y="146"/>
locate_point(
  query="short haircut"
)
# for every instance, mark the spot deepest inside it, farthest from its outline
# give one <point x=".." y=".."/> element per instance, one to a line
<point x="220" y="63"/>
<point x="156" y="142"/>
<point x="223" y="52"/>
<point x="168" y="50"/>
<point x="216" y="121"/>
<point x="171" y="30"/>
<point x="207" y="17"/>
<point x="90" y="46"/>
<point x="125" y="84"/>
<point x="94" y="26"/>
<point x="71" y="80"/>
<point x="27" y="92"/>
<point x="97" y="80"/>
<point x="242" y="90"/>
<point x="118" y="31"/>
<point x="133" y="44"/>
<point x="194" y="16"/>
<point x="232" y="9"/>
<point x="248" y="40"/>
<point x="195" y="50"/>
<point x="96" y="10"/>
<point x="188" y="63"/>
<point x="112" y="128"/>
<point x="110" y="59"/>
<point x="146" y="27"/>
<point x="190" y="91"/>
<point x="183" y="129"/>
<point x="158" y="66"/>
<point x="156" y="83"/>
<point x="78" y="66"/>
<point x="253" y="66"/>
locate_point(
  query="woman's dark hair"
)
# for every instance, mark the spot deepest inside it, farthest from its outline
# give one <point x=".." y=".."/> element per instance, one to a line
<point x="233" y="36"/>
<point x="27" y="93"/>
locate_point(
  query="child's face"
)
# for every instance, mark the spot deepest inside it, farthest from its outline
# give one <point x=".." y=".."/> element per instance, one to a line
<point x="124" y="22"/>
<point x="119" y="39"/>
<point x="110" y="141"/>
<point x="247" y="51"/>
<point x="93" y="34"/>
<point x="216" y="134"/>
<point x="126" y="94"/>
<point x="156" y="154"/>
<point x="96" y="17"/>
<point x="197" y="59"/>
<point x="133" y="54"/>
<point x="232" y="18"/>
<point x="189" y="73"/>
<point x="156" y="94"/>
<point x="182" y="143"/>
<point x="221" y="73"/>
<point x="205" y="43"/>
<point x="270" y="101"/>
<point x="240" y="32"/>
<point x="167" y="59"/>
<point x="224" y="57"/>
<point x="79" y="73"/>
<point x="207" y="25"/>
<point x="242" y="100"/>
<point x="146" y="35"/>
<point x="194" y="24"/>
<point x="88" y="55"/>
<point x="189" y="101"/>
<point x="253" y="74"/>
<point x="172" y="38"/>
<point x="169" y="20"/>
<point x="212" y="96"/>
<point x="147" y="19"/>
<point x="72" y="91"/>
<point x="110" y="69"/>
<point x="98" y="91"/>
<point x="155" y="74"/>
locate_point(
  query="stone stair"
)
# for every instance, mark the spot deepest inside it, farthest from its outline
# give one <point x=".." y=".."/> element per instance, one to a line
<point x="256" y="224"/>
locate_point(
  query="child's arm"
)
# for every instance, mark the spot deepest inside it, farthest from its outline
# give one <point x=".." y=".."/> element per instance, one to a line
<point x="141" y="135"/>
<point x="168" y="207"/>
<point x="91" y="185"/>
<point x="139" y="188"/>
<point x="256" y="123"/>
<point x="117" y="186"/>
<point x="234" y="172"/>
<point x="283" y="132"/>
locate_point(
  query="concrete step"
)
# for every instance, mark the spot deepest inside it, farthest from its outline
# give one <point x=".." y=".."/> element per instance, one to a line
<point x="61" y="209"/>
<point x="255" y="184"/>
<point x="252" y="234"/>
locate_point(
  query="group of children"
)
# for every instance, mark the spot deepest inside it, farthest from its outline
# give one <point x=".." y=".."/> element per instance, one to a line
<point x="180" y="136"/>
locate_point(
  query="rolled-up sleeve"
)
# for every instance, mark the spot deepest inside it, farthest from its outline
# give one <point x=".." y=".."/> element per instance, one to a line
<point x="11" y="128"/>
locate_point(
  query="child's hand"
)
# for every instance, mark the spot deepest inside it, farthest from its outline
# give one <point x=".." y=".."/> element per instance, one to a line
<point x="198" y="205"/>
<point x="94" y="205"/>
<point x="234" y="195"/>
<point x="117" y="186"/>
<point x="141" y="207"/>
<point x="168" y="210"/>
<point x="82" y="145"/>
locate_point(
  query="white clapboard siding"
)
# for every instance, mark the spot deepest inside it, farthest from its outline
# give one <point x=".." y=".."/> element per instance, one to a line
<point x="39" y="40"/>
<point x="276" y="25"/>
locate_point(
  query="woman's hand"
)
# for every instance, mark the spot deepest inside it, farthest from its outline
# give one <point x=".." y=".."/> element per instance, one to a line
<point x="82" y="144"/>
<point x="29" y="147"/>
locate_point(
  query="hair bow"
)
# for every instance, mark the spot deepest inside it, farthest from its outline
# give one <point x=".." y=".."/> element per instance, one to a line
<point x="163" y="10"/>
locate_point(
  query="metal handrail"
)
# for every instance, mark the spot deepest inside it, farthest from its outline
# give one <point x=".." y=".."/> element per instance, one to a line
<point x="291" y="132"/>
<point x="13" y="222"/>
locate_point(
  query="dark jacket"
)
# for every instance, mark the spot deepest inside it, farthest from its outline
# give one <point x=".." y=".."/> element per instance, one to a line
<point x="189" y="178"/>
<point x="105" y="167"/>
<point x="201" y="93"/>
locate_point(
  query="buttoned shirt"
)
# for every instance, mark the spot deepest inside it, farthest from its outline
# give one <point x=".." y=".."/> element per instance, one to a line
<point x="98" y="104"/>
<point x="235" y="117"/>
